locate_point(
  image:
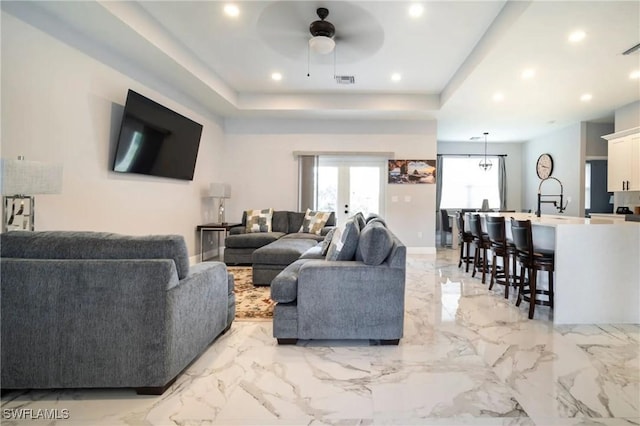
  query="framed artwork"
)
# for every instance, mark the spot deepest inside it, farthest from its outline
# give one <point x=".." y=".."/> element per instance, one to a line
<point x="412" y="171"/>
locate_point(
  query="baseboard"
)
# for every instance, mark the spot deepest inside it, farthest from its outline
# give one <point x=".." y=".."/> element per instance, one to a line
<point x="421" y="250"/>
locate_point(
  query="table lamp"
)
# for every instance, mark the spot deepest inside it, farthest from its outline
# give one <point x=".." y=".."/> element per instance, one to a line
<point x="221" y="191"/>
<point x="21" y="180"/>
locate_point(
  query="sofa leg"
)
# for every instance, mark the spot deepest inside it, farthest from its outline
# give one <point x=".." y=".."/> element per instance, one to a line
<point x="156" y="390"/>
<point x="383" y="342"/>
<point x="287" y="341"/>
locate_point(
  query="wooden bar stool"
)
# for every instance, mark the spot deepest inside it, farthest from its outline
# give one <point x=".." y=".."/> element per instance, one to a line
<point x="531" y="261"/>
<point x="466" y="238"/>
<point x="504" y="249"/>
<point x="481" y="244"/>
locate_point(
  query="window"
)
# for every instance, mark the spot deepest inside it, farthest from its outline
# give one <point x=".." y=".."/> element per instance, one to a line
<point x="587" y="186"/>
<point x="465" y="185"/>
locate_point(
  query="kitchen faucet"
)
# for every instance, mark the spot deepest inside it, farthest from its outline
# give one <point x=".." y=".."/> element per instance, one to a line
<point x="560" y="207"/>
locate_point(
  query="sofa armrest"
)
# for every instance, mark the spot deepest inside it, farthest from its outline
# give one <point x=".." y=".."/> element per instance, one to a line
<point x="237" y="230"/>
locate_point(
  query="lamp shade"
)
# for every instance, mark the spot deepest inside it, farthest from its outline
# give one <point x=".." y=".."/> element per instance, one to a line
<point x="22" y="177"/>
<point x="219" y="190"/>
<point x="322" y="45"/>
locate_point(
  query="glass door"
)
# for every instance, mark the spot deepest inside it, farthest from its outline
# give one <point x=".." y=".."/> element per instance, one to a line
<point x="347" y="185"/>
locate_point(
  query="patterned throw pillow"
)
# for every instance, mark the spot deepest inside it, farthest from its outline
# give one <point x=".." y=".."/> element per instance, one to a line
<point x="259" y="220"/>
<point x="314" y="222"/>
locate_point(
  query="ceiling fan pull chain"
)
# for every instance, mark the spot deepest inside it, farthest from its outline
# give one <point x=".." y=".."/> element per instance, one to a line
<point x="308" y="60"/>
<point x="334" y="62"/>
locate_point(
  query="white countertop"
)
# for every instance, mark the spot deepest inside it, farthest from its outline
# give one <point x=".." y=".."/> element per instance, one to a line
<point x="555" y="220"/>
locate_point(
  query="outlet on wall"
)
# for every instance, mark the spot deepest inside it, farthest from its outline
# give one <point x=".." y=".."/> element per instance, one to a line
<point x="420" y="234"/>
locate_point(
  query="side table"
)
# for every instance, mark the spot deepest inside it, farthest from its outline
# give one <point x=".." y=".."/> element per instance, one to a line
<point x="220" y="228"/>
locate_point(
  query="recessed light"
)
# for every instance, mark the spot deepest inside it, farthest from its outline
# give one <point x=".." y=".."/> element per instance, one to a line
<point x="416" y="10"/>
<point x="276" y="76"/>
<point x="529" y="73"/>
<point x="498" y="97"/>
<point x="231" y="10"/>
<point x="635" y="74"/>
<point x="586" y="97"/>
<point x="396" y="76"/>
<point x="577" y="36"/>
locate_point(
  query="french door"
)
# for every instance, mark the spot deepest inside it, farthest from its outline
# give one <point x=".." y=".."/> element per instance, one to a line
<point x="347" y="185"/>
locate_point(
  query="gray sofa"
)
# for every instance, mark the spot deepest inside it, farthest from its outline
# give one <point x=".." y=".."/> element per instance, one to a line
<point x="271" y="252"/>
<point x="98" y="310"/>
<point x="356" y="292"/>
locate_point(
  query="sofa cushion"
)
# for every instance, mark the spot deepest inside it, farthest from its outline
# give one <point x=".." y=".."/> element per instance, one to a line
<point x="282" y="252"/>
<point x="95" y="245"/>
<point x="359" y="218"/>
<point x="327" y="241"/>
<point x="284" y="287"/>
<point x="314" y="252"/>
<point x="280" y="222"/>
<point x="344" y="247"/>
<point x="314" y="222"/>
<point x="295" y="221"/>
<point x="259" y="220"/>
<point x="303" y="236"/>
<point x="252" y="240"/>
<point x="374" y="244"/>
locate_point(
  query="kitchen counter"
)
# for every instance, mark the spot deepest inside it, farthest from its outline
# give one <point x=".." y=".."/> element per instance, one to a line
<point x="597" y="271"/>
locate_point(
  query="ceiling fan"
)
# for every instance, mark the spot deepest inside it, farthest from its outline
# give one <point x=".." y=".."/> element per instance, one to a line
<point x="289" y="28"/>
<point x="322" y="33"/>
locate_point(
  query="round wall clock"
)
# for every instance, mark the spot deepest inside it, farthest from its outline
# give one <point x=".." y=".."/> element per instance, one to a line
<point x="544" y="166"/>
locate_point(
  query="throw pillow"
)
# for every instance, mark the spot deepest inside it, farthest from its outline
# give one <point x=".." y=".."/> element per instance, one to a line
<point x="314" y="222"/>
<point x="375" y="244"/>
<point x="259" y="220"/>
<point x="327" y="242"/>
<point x="345" y="248"/>
<point x="334" y="245"/>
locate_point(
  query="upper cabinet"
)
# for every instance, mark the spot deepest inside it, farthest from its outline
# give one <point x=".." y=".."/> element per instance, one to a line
<point x="624" y="161"/>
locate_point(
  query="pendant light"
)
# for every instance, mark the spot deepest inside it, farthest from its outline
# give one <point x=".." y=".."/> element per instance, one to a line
<point x="485" y="164"/>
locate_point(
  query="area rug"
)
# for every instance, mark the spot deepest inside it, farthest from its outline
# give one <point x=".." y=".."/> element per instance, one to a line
<point x="252" y="303"/>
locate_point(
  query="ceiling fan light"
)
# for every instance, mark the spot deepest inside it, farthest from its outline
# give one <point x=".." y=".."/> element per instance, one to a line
<point x="322" y="44"/>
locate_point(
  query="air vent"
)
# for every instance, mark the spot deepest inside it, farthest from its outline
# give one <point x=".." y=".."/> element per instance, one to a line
<point x="345" y="79"/>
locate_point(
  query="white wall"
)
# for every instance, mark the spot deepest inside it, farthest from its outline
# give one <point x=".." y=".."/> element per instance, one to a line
<point x="264" y="173"/>
<point x="596" y="146"/>
<point x="61" y="105"/>
<point x="513" y="164"/>
<point x="627" y="117"/>
<point x="567" y="148"/>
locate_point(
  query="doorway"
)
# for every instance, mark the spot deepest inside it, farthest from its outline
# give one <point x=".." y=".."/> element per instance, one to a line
<point x="347" y="185"/>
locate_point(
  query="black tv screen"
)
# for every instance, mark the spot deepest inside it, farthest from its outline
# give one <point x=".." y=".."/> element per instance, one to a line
<point x="155" y="140"/>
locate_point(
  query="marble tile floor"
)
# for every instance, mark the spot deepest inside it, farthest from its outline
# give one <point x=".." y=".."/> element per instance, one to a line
<point x="468" y="357"/>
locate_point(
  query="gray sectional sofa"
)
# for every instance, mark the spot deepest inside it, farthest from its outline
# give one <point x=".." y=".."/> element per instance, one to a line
<point x="356" y="292"/>
<point x="271" y="252"/>
<point x="98" y="310"/>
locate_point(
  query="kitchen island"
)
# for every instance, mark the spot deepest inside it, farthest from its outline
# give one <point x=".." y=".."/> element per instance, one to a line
<point x="597" y="267"/>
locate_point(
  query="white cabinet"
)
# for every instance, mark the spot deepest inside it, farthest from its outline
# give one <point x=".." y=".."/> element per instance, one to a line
<point x="624" y="161"/>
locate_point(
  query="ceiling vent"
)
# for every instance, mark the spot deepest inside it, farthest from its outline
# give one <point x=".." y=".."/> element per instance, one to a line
<point x="345" y="79"/>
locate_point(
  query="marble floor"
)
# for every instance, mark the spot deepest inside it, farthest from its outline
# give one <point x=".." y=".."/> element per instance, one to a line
<point x="468" y="357"/>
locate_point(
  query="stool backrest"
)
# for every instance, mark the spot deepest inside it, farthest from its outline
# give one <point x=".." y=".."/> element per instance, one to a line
<point x="475" y="225"/>
<point x="495" y="229"/>
<point x="460" y="219"/>
<point x="522" y="237"/>
<point x="444" y="220"/>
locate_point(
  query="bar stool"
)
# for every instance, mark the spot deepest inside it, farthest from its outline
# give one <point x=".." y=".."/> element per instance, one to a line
<point x="531" y="261"/>
<point x="506" y="250"/>
<point x="481" y="245"/>
<point x="466" y="238"/>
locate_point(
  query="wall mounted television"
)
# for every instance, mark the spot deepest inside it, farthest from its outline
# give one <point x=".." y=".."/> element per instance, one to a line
<point x="155" y="140"/>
